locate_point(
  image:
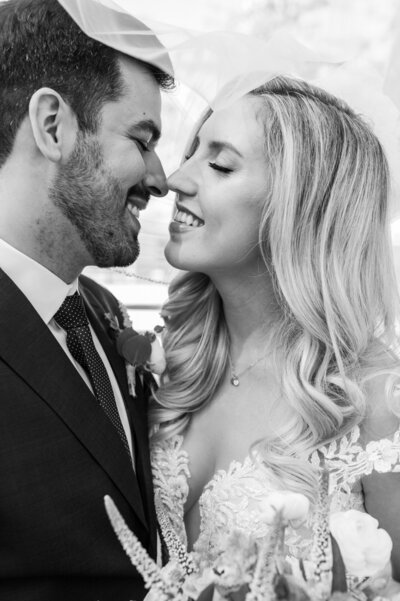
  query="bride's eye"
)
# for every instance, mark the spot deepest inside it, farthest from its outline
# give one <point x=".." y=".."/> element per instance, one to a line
<point x="220" y="168"/>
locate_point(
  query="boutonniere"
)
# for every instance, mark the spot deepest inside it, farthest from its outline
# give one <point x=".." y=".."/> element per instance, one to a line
<point x="141" y="352"/>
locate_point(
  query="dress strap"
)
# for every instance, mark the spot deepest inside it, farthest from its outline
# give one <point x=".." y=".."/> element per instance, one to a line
<point x="348" y="460"/>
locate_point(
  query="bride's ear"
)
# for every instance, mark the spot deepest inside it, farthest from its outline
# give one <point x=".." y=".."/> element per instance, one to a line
<point x="54" y="124"/>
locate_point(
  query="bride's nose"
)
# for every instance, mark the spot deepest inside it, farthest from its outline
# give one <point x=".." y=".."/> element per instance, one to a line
<point x="181" y="182"/>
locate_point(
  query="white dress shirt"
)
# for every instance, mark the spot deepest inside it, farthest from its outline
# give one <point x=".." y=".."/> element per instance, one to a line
<point x="46" y="293"/>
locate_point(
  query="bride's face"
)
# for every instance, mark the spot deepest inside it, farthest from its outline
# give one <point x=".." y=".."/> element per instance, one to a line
<point x="221" y="189"/>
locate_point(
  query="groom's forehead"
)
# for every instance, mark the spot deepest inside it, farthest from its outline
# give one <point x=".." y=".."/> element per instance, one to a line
<point x="140" y="91"/>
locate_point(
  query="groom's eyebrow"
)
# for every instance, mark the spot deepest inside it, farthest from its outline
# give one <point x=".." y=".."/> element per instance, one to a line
<point x="148" y="126"/>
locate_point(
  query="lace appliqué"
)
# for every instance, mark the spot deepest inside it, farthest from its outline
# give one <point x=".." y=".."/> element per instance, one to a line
<point x="170" y="467"/>
<point x="233" y="499"/>
<point x="347" y="461"/>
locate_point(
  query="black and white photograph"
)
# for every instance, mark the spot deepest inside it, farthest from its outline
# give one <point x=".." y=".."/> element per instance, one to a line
<point x="199" y="300"/>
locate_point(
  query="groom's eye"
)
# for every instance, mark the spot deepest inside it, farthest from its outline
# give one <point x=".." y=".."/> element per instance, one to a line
<point x="142" y="145"/>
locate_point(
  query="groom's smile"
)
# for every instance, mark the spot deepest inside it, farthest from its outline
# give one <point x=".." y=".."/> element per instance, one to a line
<point x="111" y="173"/>
<point x="137" y="200"/>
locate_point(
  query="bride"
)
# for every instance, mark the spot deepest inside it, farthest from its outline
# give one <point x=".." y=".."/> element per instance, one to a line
<point x="280" y="332"/>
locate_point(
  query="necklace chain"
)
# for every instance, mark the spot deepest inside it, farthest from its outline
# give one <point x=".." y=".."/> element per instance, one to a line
<point x="235" y="381"/>
<point x="235" y="376"/>
<point x="139" y="277"/>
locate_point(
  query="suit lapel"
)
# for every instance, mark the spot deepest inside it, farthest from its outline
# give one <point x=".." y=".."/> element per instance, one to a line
<point x="30" y="349"/>
<point x="136" y="406"/>
<point x="144" y="472"/>
<point x="96" y="314"/>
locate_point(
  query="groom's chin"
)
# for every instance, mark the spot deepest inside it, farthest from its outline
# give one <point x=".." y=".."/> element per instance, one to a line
<point x="120" y="257"/>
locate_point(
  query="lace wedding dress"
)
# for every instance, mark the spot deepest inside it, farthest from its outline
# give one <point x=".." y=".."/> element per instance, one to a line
<point x="233" y="499"/>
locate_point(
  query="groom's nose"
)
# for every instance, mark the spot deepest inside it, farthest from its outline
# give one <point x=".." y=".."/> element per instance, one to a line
<point x="155" y="180"/>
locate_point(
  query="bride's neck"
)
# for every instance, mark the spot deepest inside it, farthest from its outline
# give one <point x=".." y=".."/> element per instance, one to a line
<point x="250" y="308"/>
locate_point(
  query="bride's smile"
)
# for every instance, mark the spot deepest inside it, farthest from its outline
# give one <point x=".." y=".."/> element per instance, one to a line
<point x="185" y="217"/>
<point x="221" y="189"/>
<point x="270" y="220"/>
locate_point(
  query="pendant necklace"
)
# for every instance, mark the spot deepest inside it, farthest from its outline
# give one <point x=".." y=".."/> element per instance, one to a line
<point x="235" y="377"/>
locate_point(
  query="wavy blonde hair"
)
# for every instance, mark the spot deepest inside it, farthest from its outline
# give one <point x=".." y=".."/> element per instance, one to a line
<point x="324" y="238"/>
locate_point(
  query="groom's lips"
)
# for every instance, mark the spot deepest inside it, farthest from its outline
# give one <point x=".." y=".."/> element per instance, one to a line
<point x="136" y="201"/>
<point x="138" y="197"/>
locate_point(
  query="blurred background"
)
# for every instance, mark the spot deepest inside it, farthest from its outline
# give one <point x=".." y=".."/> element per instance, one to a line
<point x="360" y="29"/>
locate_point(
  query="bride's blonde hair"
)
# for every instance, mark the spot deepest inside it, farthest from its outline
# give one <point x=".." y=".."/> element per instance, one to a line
<point x="324" y="237"/>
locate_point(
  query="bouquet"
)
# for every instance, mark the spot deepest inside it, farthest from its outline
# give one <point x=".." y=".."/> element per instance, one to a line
<point x="350" y="557"/>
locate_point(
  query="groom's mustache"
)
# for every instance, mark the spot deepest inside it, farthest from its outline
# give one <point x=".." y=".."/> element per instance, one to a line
<point x="138" y="193"/>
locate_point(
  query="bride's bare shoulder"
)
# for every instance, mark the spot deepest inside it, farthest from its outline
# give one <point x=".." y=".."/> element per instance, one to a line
<point x="382" y="419"/>
<point x="381" y="487"/>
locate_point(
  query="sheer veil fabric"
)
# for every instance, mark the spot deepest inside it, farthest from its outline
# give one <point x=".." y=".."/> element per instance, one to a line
<point x="219" y="67"/>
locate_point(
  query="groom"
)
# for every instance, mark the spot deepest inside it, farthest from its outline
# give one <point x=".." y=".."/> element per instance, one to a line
<point x="78" y="128"/>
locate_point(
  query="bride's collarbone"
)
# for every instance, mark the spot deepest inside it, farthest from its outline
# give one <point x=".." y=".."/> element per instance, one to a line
<point x="224" y="432"/>
<point x="236" y="418"/>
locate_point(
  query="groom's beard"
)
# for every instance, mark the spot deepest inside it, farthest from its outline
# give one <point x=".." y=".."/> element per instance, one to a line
<point x="95" y="203"/>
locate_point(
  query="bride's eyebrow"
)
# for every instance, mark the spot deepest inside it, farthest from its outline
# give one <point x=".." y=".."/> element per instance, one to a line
<point x="214" y="146"/>
<point x="218" y="146"/>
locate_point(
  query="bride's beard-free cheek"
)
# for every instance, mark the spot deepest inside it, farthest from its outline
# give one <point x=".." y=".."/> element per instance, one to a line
<point x="191" y="250"/>
<point x="219" y="250"/>
<point x="95" y="203"/>
<point x="179" y="256"/>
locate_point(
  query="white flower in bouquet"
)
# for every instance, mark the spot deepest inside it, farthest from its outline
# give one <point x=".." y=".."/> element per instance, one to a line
<point x="294" y="507"/>
<point x="235" y="565"/>
<point x="364" y="546"/>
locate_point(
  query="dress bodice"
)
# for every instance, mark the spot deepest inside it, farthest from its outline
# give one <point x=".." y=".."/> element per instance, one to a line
<point x="234" y="498"/>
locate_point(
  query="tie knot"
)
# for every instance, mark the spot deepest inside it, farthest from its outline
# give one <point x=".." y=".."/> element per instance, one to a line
<point x="71" y="314"/>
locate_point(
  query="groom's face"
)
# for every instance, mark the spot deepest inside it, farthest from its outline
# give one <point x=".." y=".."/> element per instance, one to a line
<point x="110" y="175"/>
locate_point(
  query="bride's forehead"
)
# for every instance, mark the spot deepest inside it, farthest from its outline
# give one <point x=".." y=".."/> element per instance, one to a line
<point x="239" y="119"/>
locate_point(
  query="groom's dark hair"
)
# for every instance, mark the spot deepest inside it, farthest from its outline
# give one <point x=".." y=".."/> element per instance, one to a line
<point x="41" y="46"/>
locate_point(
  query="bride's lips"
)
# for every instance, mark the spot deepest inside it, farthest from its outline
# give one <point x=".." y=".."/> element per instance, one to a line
<point x="178" y="228"/>
<point x="183" y="209"/>
<point x="184" y="220"/>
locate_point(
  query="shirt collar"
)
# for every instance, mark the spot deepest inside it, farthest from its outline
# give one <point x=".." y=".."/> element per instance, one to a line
<point x="43" y="289"/>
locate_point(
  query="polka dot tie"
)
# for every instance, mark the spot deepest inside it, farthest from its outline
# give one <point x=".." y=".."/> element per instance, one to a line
<point x="72" y="318"/>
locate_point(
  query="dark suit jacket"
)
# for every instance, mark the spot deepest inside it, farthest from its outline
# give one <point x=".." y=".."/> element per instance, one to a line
<point x="59" y="456"/>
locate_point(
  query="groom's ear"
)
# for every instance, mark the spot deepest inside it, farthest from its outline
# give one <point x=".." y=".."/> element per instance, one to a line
<point x="54" y="124"/>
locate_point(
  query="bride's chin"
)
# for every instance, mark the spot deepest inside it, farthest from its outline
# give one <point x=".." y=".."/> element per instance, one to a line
<point x="174" y="256"/>
<point x="171" y="254"/>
